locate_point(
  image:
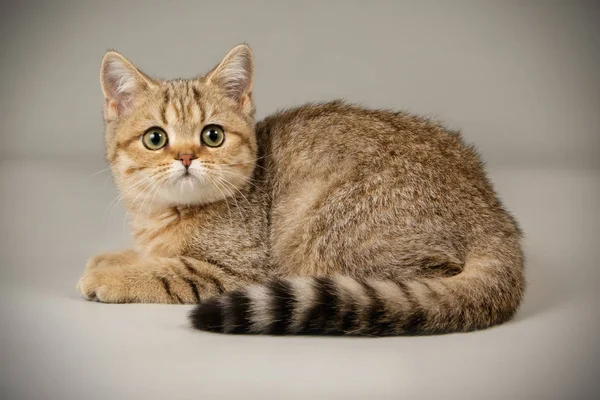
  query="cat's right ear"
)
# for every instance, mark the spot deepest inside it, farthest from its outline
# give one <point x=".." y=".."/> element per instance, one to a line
<point x="122" y="84"/>
<point x="234" y="76"/>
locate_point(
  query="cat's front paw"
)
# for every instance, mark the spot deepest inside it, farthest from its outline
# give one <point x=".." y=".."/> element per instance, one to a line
<point x="112" y="259"/>
<point x="105" y="285"/>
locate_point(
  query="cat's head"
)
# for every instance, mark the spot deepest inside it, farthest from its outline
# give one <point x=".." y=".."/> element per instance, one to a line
<point x="180" y="142"/>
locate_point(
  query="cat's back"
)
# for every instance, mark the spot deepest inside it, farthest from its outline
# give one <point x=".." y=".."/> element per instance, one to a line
<point x="336" y="136"/>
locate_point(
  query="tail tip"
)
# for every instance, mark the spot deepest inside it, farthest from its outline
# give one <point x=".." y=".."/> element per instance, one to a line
<point x="208" y="316"/>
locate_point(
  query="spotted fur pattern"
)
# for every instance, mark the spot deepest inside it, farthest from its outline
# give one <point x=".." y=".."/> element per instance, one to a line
<point x="323" y="219"/>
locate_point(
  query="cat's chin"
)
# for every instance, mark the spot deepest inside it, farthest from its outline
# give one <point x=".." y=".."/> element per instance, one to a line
<point x="189" y="190"/>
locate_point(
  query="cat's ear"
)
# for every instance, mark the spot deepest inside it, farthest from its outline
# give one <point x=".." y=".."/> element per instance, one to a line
<point x="234" y="75"/>
<point x="122" y="84"/>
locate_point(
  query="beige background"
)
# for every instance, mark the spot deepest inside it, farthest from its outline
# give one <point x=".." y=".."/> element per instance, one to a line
<point x="521" y="79"/>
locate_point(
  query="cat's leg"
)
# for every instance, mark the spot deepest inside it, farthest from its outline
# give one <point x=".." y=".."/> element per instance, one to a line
<point x="113" y="259"/>
<point x="158" y="280"/>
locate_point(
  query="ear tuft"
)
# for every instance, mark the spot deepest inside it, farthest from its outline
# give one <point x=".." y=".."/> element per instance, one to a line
<point x="122" y="82"/>
<point x="234" y="73"/>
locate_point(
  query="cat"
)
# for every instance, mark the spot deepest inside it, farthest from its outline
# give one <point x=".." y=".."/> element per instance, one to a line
<point x="328" y="218"/>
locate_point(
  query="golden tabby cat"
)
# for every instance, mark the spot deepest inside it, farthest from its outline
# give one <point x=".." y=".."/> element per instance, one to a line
<point x="323" y="219"/>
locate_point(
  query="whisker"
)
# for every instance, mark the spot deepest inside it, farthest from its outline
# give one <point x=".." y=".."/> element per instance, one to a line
<point x="159" y="183"/>
<point x="222" y="194"/>
<point x="231" y="194"/>
<point x="238" y="163"/>
<point x="120" y="196"/>
<point x="238" y="190"/>
<point x="249" y="180"/>
<point x="152" y="185"/>
<point x="96" y="173"/>
<point x="228" y="184"/>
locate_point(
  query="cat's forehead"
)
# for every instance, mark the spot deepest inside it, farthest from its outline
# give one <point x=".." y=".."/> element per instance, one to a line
<point x="181" y="101"/>
<point x="181" y="106"/>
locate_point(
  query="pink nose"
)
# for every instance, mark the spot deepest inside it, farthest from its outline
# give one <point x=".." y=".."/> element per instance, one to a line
<point x="186" y="159"/>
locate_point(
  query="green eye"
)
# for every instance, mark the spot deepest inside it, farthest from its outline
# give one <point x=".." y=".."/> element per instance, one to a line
<point x="213" y="135"/>
<point x="154" y="139"/>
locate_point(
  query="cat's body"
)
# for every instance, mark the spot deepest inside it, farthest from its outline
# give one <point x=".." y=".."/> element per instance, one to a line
<point x="331" y="218"/>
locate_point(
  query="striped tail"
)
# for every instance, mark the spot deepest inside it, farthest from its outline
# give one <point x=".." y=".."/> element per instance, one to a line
<point x="484" y="294"/>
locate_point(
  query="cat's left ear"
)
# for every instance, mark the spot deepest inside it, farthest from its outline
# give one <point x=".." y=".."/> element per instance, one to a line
<point x="234" y="76"/>
<point x="122" y="84"/>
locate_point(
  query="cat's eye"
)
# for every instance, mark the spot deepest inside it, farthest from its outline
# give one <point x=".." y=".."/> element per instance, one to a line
<point x="213" y="135"/>
<point x="154" y="139"/>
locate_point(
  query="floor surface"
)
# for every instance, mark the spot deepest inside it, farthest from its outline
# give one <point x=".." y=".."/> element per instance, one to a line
<point x="55" y="345"/>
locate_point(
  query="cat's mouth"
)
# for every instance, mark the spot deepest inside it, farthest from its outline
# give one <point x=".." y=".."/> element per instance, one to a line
<point x="188" y="178"/>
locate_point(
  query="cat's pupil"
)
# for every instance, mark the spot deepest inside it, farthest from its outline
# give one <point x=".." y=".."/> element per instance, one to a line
<point x="155" y="139"/>
<point x="213" y="135"/>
